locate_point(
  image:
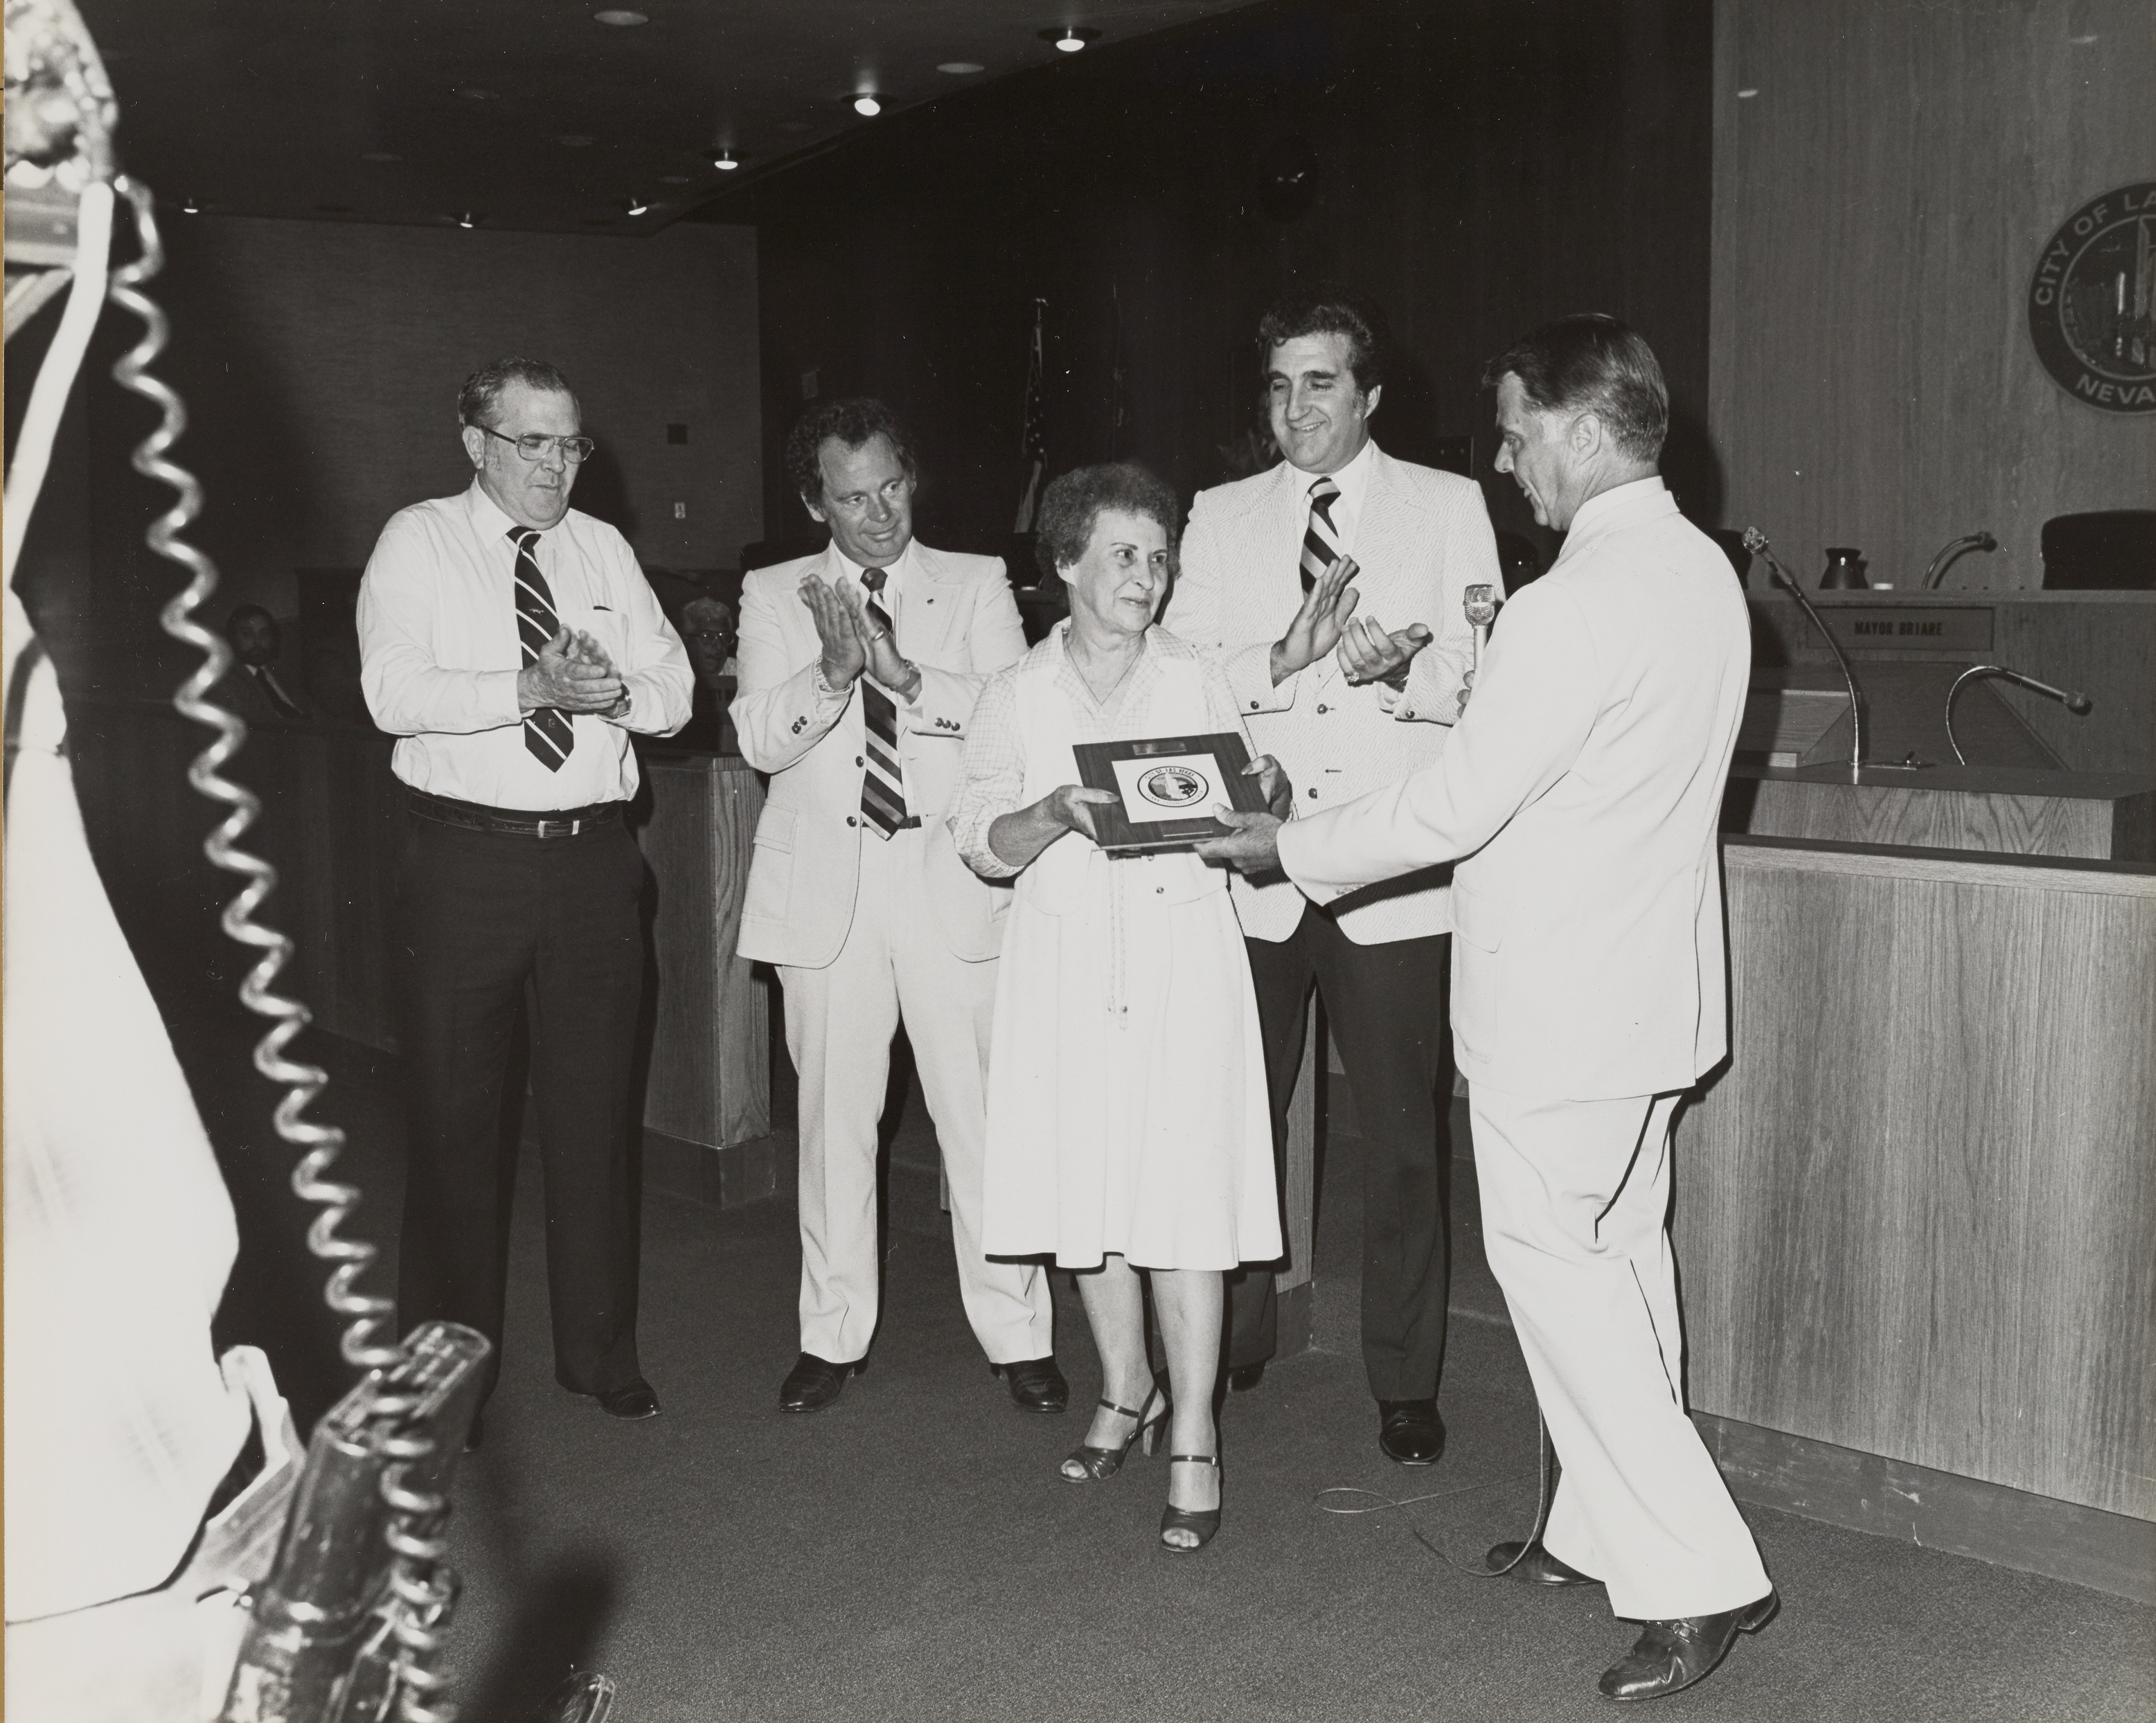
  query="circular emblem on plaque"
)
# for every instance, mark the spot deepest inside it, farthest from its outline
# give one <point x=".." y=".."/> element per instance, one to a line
<point x="2093" y="302"/>
<point x="1170" y="786"/>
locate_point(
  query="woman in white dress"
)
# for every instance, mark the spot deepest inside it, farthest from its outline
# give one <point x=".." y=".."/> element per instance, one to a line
<point x="1127" y="1125"/>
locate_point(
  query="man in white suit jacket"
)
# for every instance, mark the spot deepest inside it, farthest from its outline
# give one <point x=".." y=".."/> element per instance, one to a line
<point x="1372" y="710"/>
<point x="1580" y="795"/>
<point x="859" y="669"/>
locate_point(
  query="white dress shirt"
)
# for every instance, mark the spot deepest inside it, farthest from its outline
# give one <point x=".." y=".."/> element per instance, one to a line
<point x="439" y="653"/>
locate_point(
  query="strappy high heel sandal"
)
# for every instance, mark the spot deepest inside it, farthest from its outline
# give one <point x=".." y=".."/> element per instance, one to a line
<point x="1204" y="1521"/>
<point x="1088" y="1464"/>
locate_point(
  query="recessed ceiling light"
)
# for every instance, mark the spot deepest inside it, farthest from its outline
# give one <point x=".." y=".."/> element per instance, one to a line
<point x="725" y="160"/>
<point x="676" y="179"/>
<point x="634" y="206"/>
<point x="961" y="68"/>
<point x="622" y="19"/>
<point x="575" y="140"/>
<point x="380" y="156"/>
<point x="189" y="206"/>
<point x="1071" y="37"/>
<point x="470" y="218"/>
<point x="867" y="106"/>
<point x="473" y="93"/>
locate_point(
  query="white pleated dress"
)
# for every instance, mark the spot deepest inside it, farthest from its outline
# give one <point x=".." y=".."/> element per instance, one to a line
<point x="1127" y="1109"/>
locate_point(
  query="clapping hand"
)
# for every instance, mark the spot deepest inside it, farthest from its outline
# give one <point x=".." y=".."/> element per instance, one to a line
<point x="1319" y="623"/>
<point x="572" y="673"/>
<point x="1368" y="654"/>
<point x="840" y="628"/>
<point x="879" y="650"/>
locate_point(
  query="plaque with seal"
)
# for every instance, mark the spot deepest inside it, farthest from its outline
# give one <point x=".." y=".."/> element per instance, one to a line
<point x="1166" y="789"/>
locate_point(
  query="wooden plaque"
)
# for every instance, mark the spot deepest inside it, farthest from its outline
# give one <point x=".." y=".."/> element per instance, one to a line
<point x="1164" y="788"/>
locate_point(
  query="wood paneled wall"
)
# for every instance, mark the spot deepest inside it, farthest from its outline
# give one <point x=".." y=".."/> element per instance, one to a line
<point x="320" y="363"/>
<point x="1880" y="197"/>
<point x="1914" y="1210"/>
<point x="1480" y="166"/>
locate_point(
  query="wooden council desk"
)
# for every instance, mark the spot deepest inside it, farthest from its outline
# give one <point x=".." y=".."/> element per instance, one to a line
<point x="1914" y="1211"/>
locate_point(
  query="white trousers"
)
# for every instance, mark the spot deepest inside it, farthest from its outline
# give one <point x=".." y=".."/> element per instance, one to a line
<point x="839" y="1024"/>
<point x="1575" y="1210"/>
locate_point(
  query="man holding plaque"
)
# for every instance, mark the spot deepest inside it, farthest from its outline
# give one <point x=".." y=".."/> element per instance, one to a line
<point x="859" y="669"/>
<point x="1372" y="710"/>
<point x="1581" y="794"/>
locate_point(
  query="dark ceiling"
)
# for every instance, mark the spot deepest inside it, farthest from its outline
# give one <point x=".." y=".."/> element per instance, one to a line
<point x="534" y="114"/>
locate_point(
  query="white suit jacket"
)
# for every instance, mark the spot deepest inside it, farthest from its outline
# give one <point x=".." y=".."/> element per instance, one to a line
<point x="1422" y="538"/>
<point x="959" y="624"/>
<point x="1582" y="788"/>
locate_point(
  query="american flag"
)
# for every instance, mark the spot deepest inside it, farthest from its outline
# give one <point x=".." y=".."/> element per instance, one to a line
<point x="1032" y="443"/>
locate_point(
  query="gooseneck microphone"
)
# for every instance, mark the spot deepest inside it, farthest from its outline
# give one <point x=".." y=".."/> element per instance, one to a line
<point x="1755" y="542"/>
<point x="2079" y="704"/>
<point x="1951" y="549"/>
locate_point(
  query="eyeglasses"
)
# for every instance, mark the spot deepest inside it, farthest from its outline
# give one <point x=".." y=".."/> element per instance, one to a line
<point x="533" y="445"/>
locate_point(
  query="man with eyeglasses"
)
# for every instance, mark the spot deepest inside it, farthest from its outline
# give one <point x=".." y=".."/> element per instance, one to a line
<point x="511" y="644"/>
<point x="859" y="666"/>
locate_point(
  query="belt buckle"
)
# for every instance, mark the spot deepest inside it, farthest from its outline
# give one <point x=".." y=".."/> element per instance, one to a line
<point x="573" y="827"/>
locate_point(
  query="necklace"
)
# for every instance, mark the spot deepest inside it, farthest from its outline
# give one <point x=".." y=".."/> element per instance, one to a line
<point x="1101" y="696"/>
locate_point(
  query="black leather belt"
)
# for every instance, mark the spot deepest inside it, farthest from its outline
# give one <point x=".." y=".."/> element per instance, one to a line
<point x="512" y="821"/>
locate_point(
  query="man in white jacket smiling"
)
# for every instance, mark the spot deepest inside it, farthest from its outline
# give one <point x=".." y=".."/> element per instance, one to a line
<point x="1580" y="794"/>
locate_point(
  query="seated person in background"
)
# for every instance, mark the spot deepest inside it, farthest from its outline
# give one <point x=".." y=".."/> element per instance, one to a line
<point x="708" y="631"/>
<point x="1128" y="1125"/>
<point x="254" y="638"/>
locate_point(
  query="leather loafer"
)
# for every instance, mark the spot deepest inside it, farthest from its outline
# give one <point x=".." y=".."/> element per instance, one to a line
<point x="1538" y="1568"/>
<point x="813" y="1382"/>
<point x="1246" y="1376"/>
<point x="635" y="1401"/>
<point x="1409" y="1431"/>
<point x="1671" y="1655"/>
<point x="1035" y="1384"/>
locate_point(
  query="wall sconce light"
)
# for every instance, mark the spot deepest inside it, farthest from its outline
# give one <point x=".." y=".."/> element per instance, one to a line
<point x="634" y="206"/>
<point x="470" y="218"/>
<point x="866" y="105"/>
<point x="725" y="160"/>
<point x="189" y="206"/>
<point x="1070" y="39"/>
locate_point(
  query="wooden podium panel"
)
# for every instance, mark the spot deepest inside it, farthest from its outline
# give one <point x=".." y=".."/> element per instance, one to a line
<point x="1914" y="1210"/>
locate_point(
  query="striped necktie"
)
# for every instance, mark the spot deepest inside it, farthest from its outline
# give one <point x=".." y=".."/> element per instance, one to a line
<point x="883" y="791"/>
<point x="1321" y="538"/>
<point x="547" y="733"/>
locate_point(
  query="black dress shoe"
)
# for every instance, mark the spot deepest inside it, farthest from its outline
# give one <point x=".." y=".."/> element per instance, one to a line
<point x="1035" y="1384"/>
<point x="1538" y="1568"/>
<point x="1246" y="1376"/>
<point x="1410" y="1433"/>
<point x="635" y="1401"/>
<point x="813" y="1382"/>
<point x="1673" y="1654"/>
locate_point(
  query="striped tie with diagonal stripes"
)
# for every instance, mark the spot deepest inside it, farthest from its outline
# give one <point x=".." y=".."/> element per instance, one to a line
<point x="547" y="733"/>
<point x="1321" y="539"/>
<point x="883" y="791"/>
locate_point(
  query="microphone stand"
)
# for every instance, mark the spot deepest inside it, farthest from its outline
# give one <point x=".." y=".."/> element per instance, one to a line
<point x="1755" y="542"/>
<point x="2078" y="704"/>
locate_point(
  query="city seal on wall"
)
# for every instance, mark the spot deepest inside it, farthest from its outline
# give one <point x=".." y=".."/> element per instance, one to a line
<point x="2093" y="302"/>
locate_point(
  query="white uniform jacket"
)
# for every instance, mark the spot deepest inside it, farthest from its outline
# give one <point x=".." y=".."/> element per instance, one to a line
<point x="959" y="624"/>
<point x="1582" y="788"/>
<point x="1422" y="538"/>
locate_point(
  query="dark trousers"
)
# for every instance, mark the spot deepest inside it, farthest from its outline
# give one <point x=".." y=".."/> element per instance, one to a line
<point x="1386" y="1004"/>
<point x="478" y="916"/>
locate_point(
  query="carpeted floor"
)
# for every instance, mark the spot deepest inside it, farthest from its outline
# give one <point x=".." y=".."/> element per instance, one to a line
<point x="911" y="1553"/>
